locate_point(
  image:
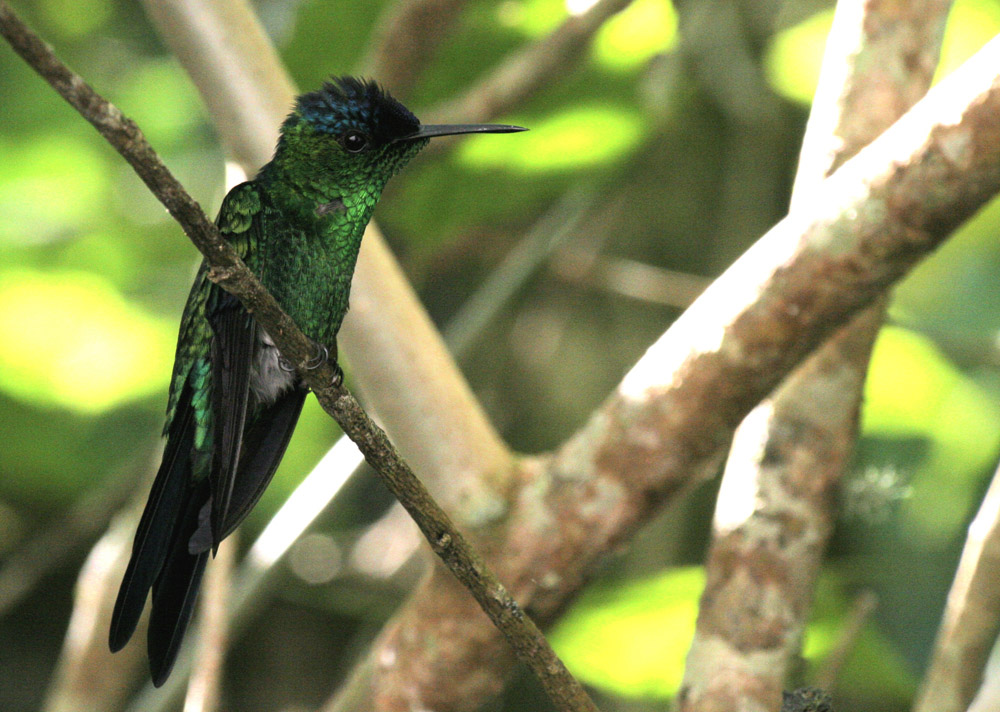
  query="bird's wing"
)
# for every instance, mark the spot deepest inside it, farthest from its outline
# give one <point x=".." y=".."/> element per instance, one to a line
<point x="263" y="447"/>
<point x="234" y="337"/>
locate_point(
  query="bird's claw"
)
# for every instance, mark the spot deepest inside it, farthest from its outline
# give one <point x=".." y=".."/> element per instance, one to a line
<point x="338" y="376"/>
<point x="321" y="357"/>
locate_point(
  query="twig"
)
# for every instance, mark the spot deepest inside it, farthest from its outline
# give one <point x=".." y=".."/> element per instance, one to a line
<point x="88" y="676"/>
<point x="775" y="509"/>
<point x="318" y="489"/>
<point x="971" y="616"/>
<point x="203" y="690"/>
<point x="406" y="39"/>
<point x="548" y="233"/>
<point x="229" y="271"/>
<point x="522" y="74"/>
<point x="629" y="278"/>
<point x="33" y="560"/>
<point x="862" y="610"/>
<point x="668" y="422"/>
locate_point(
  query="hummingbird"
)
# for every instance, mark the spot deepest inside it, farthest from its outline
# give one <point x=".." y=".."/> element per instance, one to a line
<point x="233" y="401"/>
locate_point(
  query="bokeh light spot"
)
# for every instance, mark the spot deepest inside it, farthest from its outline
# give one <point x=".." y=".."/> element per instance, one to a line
<point x="71" y="340"/>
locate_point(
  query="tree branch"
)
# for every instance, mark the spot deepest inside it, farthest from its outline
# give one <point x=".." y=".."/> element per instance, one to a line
<point x="227" y="270"/>
<point x="523" y="73"/>
<point x="213" y="631"/>
<point x="668" y="422"/>
<point x="406" y="39"/>
<point x="775" y="512"/>
<point x="971" y="616"/>
<point x="35" y="559"/>
<point x="88" y="676"/>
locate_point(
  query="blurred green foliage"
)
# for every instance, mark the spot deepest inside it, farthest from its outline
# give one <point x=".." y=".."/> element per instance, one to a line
<point x="795" y="54"/>
<point x="93" y="275"/>
<point x="632" y="637"/>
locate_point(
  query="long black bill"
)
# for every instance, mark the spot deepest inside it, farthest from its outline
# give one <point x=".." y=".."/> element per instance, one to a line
<point x="453" y="129"/>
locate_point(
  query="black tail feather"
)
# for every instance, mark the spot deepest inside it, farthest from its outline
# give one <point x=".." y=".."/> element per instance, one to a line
<point x="176" y="590"/>
<point x="156" y="527"/>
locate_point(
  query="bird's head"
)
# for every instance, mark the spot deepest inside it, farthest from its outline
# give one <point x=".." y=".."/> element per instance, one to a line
<point x="354" y="127"/>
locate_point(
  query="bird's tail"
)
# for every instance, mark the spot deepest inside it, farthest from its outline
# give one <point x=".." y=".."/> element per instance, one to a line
<point x="160" y="558"/>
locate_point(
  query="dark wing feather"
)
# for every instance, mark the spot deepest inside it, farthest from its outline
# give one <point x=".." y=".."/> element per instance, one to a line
<point x="156" y="527"/>
<point x="232" y="354"/>
<point x="233" y="342"/>
<point x="264" y="446"/>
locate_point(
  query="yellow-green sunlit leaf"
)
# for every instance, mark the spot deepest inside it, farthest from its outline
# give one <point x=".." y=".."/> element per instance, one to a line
<point x="48" y="186"/>
<point x="631" y="638"/>
<point x="794" y="56"/>
<point x="74" y="18"/>
<point x="532" y="18"/>
<point x="793" y="59"/>
<point x="971" y="24"/>
<point x="576" y="138"/>
<point x="69" y="339"/>
<point x="160" y="98"/>
<point x="631" y="38"/>
<point x="915" y="391"/>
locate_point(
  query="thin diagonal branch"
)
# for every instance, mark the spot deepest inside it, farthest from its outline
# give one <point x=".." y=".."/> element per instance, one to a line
<point x="522" y="73"/>
<point x="227" y="270"/>
<point x="669" y="421"/>
<point x="775" y="509"/>
<point x="88" y="676"/>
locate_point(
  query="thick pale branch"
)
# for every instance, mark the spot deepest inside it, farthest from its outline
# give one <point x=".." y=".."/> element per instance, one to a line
<point x="775" y="508"/>
<point x="971" y="616"/>
<point x="227" y="270"/>
<point x="669" y="421"/>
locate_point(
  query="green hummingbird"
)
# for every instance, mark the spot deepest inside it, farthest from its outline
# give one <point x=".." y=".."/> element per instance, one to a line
<point x="233" y="400"/>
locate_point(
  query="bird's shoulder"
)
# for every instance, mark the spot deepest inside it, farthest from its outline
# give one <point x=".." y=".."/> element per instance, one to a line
<point x="240" y="216"/>
<point x="242" y="204"/>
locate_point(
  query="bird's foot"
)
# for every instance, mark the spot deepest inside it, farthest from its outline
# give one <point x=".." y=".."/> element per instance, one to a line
<point x="321" y="357"/>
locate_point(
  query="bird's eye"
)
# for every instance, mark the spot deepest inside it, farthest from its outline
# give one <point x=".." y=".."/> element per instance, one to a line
<point x="355" y="141"/>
